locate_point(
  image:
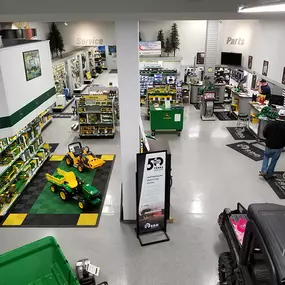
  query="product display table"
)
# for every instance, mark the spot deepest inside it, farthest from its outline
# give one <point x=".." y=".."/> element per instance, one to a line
<point x="166" y="119"/>
<point x="242" y="100"/>
<point x="195" y="91"/>
<point x="258" y="127"/>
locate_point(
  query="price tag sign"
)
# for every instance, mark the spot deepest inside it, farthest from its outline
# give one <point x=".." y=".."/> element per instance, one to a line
<point x="93" y="269"/>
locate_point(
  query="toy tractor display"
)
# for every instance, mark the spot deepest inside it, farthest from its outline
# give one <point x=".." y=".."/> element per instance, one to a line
<point x="82" y="157"/>
<point x="71" y="187"/>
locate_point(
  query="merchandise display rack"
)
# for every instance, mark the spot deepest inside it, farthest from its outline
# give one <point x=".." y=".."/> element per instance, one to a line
<point x="161" y="93"/>
<point x="95" y="62"/>
<point x="45" y="119"/>
<point x="149" y="77"/>
<point x="59" y="74"/>
<point x="96" y="113"/>
<point x="21" y="156"/>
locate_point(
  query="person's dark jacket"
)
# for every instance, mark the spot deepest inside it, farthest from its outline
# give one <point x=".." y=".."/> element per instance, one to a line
<point x="274" y="133"/>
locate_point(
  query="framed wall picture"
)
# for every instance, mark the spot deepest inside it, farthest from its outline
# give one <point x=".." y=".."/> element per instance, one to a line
<point x="32" y="64"/>
<point x="200" y="58"/>
<point x="249" y="64"/>
<point x="283" y="76"/>
<point x="265" y="67"/>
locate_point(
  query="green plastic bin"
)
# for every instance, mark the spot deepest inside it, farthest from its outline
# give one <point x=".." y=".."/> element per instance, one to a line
<point x="38" y="263"/>
<point x="166" y="119"/>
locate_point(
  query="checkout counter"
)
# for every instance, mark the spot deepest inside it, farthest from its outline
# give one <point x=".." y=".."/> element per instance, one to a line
<point x="219" y="90"/>
<point x="241" y="100"/>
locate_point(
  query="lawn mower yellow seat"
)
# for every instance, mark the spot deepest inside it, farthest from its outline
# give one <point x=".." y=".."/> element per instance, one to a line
<point x="70" y="179"/>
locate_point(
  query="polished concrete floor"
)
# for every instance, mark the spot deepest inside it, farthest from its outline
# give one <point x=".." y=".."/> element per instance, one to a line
<point x="208" y="176"/>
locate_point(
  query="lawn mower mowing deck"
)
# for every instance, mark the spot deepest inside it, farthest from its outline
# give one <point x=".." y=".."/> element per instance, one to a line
<point x="256" y="239"/>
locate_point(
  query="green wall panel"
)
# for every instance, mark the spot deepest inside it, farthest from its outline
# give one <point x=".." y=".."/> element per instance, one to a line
<point x="9" y="121"/>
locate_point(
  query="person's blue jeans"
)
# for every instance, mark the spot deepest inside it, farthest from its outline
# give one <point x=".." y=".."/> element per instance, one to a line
<point x="274" y="154"/>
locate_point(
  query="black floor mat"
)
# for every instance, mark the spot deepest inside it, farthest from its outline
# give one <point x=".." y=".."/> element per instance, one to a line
<point x="113" y="71"/>
<point x="53" y="146"/>
<point x="225" y="116"/>
<point x="219" y="106"/>
<point x="248" y="150"/>
<point x="241" y="133"/>
<point x="278" y="184"/>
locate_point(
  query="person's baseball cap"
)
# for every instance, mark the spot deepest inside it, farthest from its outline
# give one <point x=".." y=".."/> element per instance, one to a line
<point x="281" y="113"/>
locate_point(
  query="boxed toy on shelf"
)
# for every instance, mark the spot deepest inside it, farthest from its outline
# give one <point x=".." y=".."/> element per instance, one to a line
<point x="20" y="160"/>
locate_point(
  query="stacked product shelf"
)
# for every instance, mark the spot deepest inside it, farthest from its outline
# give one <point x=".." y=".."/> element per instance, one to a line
<point x="96" y="116"/>
<point x="21" y="157"/>
<point x="45" y="119"/>
<point x="59" y="75"/>
<point x="161" y="93"/>
<point x="149" y="77"/>
<point x="75" y="73"/>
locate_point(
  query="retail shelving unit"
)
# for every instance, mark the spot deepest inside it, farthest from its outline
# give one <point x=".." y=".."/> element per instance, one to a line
<point x="96" y="116"/>
<point x="59" y="74"/>
<point x="161" y="93"/>
<point x="45" y="119"/>
<point x="21" y="156"/>
<point x="149" y="77"/>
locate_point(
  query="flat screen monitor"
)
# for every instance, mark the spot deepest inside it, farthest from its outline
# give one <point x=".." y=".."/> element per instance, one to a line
<point x="231" y="58"/>
<point x="276" y="100"/>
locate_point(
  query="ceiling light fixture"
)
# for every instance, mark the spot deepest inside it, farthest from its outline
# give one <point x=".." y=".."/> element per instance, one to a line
<point x="65" y="23"/>
<point x="262" y="9"/>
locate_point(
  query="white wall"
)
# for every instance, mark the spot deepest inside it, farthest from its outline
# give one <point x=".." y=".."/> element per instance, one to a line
<point x="264" y="40"/>
<point x="18" y="91"/>
<point x="192" y="35"/>
<point x="42" y="29"/>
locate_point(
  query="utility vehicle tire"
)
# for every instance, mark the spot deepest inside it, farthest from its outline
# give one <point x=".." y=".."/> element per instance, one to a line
<point x="63" y="195"/>
<point x="69" y="161"/>
<point x="80" y="168"/>
<point x="81" y="204"/>
<point x="53" y="188"/>
<point x="226" y="270"/>
<point x="220" y="221"/>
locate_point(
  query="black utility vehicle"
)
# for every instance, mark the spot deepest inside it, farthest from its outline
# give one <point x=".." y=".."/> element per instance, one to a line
<point x="260" y="259"/>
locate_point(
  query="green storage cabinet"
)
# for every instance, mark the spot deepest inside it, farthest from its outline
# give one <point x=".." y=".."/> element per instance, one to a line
<point x="166" y="119"/>
<point x="38" y="263"/>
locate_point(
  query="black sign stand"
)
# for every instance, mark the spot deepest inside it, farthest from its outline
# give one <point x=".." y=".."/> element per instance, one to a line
<point x="150" y="224"/>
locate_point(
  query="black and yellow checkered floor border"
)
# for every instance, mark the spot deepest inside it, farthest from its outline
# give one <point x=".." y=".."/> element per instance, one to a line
<point x="23" y="213"/>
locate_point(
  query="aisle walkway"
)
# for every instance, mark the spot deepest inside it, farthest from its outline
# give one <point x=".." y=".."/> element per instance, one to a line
<point x="208" y="176"/>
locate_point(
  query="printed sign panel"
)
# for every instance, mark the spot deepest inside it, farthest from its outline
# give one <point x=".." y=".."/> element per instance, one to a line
<point x="150" y="48"/>
<point x="151" y="192"/>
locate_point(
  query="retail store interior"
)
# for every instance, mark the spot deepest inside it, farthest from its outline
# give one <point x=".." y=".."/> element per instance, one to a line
<point x="90" y="108"/>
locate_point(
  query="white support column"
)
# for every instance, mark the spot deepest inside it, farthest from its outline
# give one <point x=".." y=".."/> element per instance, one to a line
<point x="127" y="34"/>
<point x="212" y="34"/>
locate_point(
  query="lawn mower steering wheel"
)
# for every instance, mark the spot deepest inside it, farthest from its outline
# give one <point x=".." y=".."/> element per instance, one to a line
<point x="86" y="148"/>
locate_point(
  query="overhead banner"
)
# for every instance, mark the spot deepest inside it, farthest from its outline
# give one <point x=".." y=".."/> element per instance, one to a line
<point x="150" y="48"/>
<point x="151" y="185"/>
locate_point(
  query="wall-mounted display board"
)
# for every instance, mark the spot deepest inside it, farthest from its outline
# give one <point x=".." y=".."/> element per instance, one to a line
<point x="32" y="64"/>
<point x="249" y="63"/>
<point x="265" y="67"/>
<point x="150" y="48"/>
<point x="200" y="59"/>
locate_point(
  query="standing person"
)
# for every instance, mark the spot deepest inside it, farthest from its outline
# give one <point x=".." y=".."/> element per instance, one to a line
<point x="274" y="134"/>
<point x="264" y="89"/>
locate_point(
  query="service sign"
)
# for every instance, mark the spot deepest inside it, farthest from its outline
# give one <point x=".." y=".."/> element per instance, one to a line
<point x="151" y="191"/>
<point x="150" y="48"/>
